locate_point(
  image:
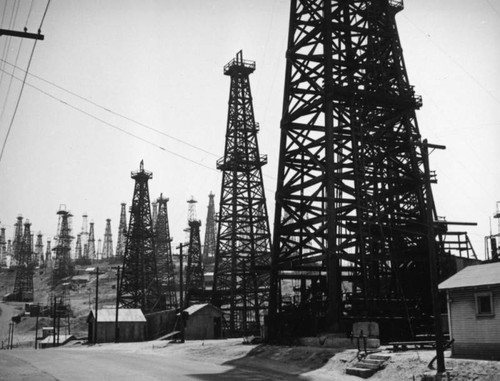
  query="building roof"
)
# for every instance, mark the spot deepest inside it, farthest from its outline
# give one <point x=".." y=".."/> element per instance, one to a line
<point x="124" y="315"/>
<point x="474" y="276"/>
<point x="197" y="307"/>
<point x="62" y="339"/>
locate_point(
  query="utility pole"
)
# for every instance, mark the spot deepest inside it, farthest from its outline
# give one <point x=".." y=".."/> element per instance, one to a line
<point x="181" y="309"/>
<point x="433" y="259"/>
<point x="96" y="302"/>
<point x="117" y="330"/>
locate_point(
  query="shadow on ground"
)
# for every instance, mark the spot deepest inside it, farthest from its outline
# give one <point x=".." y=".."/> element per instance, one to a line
<point x="270" y="362"/>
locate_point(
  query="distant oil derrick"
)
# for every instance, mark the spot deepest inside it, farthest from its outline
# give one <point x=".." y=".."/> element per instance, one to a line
<point x="23" y="286"/>
<point x="139" y="286"/>
<point x="209" y="246"/>
<point x="122" y="230"/>
<point x="92" y="255"/>
<point x="3" y="247"/>
<point x="84" y="238"/>
<point x="241" y="272"/>
<point x="166" y="268"/>
<point x="48" y="253"/>
<point x="18" y="239"/>
<point x="63" y="266"/>
<point x="39" y="259"/>
<point x="78" y="247"/>
<point x="107" y="247"/>
<point x="195" y="282"/>
<point x="355" y="221"/>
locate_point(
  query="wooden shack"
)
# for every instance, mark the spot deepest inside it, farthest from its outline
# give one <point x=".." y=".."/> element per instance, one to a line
<point x="132" y="325"/>
<point x="473" y="298"/>
<point x="204" y="322"/>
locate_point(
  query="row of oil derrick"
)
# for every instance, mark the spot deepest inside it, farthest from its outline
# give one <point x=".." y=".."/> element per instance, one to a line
<point x="151" y="279"/>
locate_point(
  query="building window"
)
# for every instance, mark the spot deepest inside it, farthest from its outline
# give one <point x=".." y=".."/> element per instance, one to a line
<point x="484" y="304"/>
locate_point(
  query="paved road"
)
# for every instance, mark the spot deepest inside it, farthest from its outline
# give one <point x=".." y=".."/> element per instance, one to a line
<point x="81" y="364"/>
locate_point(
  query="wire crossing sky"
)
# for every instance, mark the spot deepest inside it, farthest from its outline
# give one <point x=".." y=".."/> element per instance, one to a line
<point x="121" y="81"/>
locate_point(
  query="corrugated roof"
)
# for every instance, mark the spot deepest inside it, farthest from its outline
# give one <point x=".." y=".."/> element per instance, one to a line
<point x="197" y="307"/>
<point x="473" y="276"/>
<point x="124" y="314"/>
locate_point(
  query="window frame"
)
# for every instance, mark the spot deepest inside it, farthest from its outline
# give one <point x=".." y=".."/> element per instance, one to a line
<point x="488" y="294"/>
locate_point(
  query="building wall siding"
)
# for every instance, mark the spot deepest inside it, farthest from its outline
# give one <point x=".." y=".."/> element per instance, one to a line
<point x="475" y="337"/>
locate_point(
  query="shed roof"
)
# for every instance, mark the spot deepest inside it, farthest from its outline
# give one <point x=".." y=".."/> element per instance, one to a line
<point x="124" y="315"/>
<point x="197" y="307"/>
<point x="474" y="276"/>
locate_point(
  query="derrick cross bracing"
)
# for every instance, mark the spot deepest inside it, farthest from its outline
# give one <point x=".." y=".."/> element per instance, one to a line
<point x="242" y="258"/>
<point x="351" y="231"/>
<point x="166" y="268"/>
<point x="63" y="266"/>
<point x="23" y="285"/>
<point x="139" y="286"/>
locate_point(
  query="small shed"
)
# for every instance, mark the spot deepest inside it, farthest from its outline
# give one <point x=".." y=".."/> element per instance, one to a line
<point x="473" y="298"/>
<point x="132" y="325"/>
<point x="204" y="322"/>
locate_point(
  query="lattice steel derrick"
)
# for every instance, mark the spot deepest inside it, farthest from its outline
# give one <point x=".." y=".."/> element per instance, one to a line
<point x="78" y="247"/>
<point x="209" y="246"/>
<point x="63" y="266"/>
<point x="241" y="285"/>
<point x="3" y="247"/>
<point x="122" y="229"/>
<point x="23" y="285"/>
<point x="107" y="246"/>
<point x="18" y="238"/>
<point x="166" y="268"/>
<point x="351" y="205"/>
<point x="39" y="249"/>
<point x="195" y="279"/>
<point x="91" y="244"/>
<point x="139" y="286"/>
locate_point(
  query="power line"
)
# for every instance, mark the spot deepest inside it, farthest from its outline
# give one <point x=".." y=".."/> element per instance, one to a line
<point x="114" y="113"/>
<point x="107" y="123"/>
<point x="453" y="60"/>
<point x="22" y="87"/>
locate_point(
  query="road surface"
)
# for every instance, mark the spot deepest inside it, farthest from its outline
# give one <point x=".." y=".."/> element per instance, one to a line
<point x="79" y="364"/>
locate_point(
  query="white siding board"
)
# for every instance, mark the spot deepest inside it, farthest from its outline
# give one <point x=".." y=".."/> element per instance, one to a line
<point x="466" y="326"/>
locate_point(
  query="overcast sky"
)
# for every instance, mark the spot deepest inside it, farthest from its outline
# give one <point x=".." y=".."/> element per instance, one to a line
<point x="117" y="82"/>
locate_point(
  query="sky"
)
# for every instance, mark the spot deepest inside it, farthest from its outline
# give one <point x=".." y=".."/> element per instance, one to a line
<point x="119" y="81"/>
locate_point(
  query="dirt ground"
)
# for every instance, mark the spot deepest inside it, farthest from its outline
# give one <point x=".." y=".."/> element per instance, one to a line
<point x="309" y="362"/>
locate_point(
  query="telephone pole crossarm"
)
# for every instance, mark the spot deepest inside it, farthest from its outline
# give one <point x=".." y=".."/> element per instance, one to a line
<point x="13" y="33"/>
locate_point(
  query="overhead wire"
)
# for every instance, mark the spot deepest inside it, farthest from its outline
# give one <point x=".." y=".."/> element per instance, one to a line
<point x="113" y="113"/>
<point x="22" y="86"/>
<point x="453" y="60"/>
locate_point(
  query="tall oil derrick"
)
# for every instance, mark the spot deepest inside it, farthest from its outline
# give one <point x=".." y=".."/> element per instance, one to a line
<point x="91" y="244"/>
<point x="39" y="249"/>
<point x="209" y="246"/>
<point x="122" y="230"/>
<point x="107" y="247"/>
<point x="23" y="285"/>
<point x="154" y="205"/>
<point x="195" y="280"/>
<point x="99" y="248"/>
<point x="18" y="239"/>
<point x="48" y="253"/>
<point x="139" y="286"/>
<point x="3" y="247"/>
<point x="78" y="247"/>
<point x="166" y="268"/>
<point x="63" y="266"/>
<point x="352" y="231"/>
<point x="84" y="237"/>
<point x="242" y="257"/>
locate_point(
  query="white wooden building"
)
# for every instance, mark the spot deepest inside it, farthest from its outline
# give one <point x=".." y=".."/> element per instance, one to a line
<point x="473" y="298"/>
